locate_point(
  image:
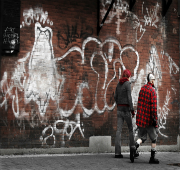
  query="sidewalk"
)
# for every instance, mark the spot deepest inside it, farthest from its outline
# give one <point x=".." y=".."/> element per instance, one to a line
<point x="105" y="161"/>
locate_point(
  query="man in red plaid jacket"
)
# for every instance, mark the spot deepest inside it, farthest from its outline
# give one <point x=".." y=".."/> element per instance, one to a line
<point x="146" y="118"/>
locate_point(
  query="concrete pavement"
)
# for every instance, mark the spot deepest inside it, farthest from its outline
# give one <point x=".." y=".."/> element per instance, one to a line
<point x="104" y="161"/>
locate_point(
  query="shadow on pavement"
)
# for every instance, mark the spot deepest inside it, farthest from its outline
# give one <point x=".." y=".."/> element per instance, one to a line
<point x="175" y="164"/>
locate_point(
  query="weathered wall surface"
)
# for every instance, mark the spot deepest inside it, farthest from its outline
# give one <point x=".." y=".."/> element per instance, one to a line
<point x="59" y="90"/>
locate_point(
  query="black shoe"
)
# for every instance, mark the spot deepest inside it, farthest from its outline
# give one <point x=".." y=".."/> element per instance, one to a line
<point x="119" y="156"/>
<point x="132" y="153"/>
<point x="136" y="145"/>
<point x="153" y="160"/>
<point x="136" y="154"/>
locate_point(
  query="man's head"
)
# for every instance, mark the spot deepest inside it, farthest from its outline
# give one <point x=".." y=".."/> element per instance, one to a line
<point x="126" y="73"/>
<point x="150" y="78"/>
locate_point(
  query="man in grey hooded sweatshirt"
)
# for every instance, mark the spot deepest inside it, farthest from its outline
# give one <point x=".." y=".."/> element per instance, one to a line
<point x="124" y="112"/>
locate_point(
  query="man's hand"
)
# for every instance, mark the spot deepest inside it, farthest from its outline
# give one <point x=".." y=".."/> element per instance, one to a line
<point x="132" y="112"/>
<point x="157" y="131"/>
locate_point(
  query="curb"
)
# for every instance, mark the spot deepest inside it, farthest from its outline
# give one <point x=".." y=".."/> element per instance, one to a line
<point x="81" y="150"/>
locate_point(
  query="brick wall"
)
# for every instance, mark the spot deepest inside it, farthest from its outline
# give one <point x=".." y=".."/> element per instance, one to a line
<point x="58" y="90"/>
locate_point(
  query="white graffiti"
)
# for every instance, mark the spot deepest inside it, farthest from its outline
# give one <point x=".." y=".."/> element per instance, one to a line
<point x="121" y="11"/>
<point x="119" y="8"/>
<point x="15" y="82"/>
<point x="137" y="88"/>
<point x="5" y="89"/>
<point x="85" y="85"/>
<point x="149" y="20"/>
<point x="45" y="137"/>
<point x="34" y="15"/>
<point x="174" y="89"/>
<point x="154" y="65"/>
<point x="70" y="126"/>
<point x="173" y="68"/>
<point x="10" y="37"/>
<point x="41" y="83"/>
<point x="142" y="30"/>
<point x="110" y="52"/>
<point x="152" y="17"/>
<point x="163" y="112"/>
<point x="42" y="72"/>
<point x="36" y="79"/>
<point x="176" y="12"/>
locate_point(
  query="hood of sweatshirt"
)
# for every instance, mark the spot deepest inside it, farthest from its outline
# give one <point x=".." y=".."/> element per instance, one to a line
<point x="123" y="80"/>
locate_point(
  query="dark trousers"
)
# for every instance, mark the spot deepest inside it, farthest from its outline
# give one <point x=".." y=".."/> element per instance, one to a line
<point x="121" y="116"/>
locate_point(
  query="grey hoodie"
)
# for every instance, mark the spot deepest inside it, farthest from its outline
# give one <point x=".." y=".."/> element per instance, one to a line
<point x="123" y="96"/>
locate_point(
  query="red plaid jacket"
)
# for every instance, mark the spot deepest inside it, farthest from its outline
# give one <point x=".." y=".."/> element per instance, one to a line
<point x="147" y="107"/>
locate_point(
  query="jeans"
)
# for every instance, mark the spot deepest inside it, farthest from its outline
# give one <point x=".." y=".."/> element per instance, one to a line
<point x="121" y="116"/>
